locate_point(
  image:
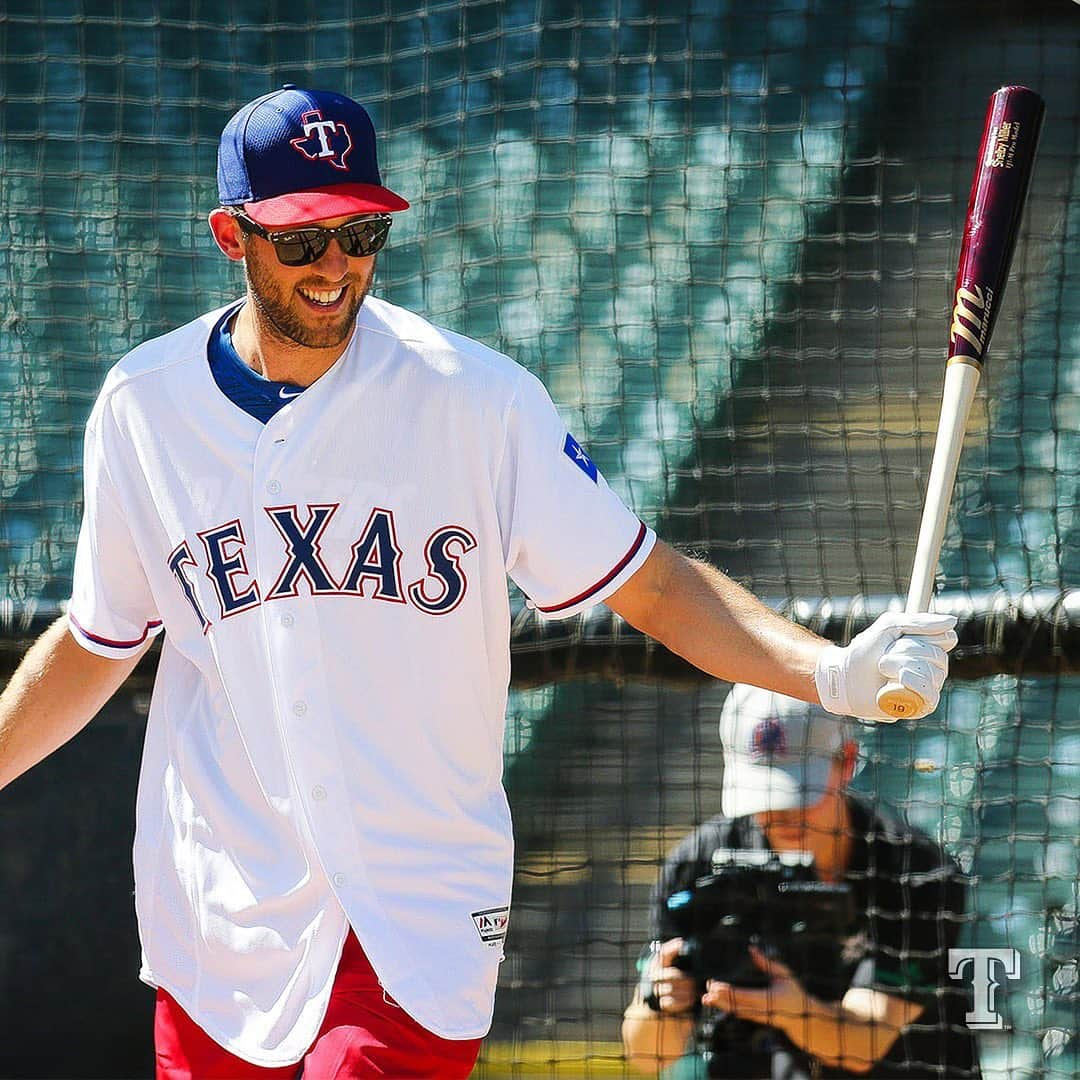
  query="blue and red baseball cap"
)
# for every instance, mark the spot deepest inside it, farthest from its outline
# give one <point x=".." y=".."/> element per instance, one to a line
<point x="297" y="156"/>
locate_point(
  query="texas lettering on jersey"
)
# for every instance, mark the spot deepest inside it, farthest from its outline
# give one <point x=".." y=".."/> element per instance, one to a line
<point x="372" y="569"/>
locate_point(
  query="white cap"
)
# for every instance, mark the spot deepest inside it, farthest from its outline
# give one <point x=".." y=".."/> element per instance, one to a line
<point x="778" y="751"/>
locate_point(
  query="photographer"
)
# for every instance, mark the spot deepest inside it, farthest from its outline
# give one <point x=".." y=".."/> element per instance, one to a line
<point x="804" y="932"/>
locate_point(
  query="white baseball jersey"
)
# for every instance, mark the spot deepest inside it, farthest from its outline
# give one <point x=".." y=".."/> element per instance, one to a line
<point x="324" y="745"/>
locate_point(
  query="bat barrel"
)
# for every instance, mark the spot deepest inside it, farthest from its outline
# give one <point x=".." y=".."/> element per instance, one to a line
<point x="1010" y="138"/>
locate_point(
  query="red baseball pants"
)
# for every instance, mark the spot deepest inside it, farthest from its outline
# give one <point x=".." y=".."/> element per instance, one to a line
<point x="363" y="1035"/>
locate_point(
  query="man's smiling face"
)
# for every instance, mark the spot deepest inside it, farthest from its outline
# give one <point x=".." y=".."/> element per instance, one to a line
<point x="313" y="306"/>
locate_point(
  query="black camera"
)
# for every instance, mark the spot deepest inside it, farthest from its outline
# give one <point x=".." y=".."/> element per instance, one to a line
<point x="772" y="900"/>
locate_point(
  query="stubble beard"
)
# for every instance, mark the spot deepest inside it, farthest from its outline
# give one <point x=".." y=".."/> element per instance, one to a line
<point x="276" y="309"/>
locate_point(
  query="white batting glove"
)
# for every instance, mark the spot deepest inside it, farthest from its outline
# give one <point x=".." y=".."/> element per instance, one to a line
<point x="908" y="649"/>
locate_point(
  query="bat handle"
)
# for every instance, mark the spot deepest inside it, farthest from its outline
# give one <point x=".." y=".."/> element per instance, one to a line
<point x="961" y="382"/>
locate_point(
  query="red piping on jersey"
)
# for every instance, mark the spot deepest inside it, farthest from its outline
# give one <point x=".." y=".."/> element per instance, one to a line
<point x="106" y="641"/>
<point x="607" y="579"/>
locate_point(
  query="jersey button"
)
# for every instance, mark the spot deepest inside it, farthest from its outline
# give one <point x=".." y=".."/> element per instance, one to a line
<point x="318" y="793"/>
<point x="287" y="620"/>
<point x="299" y="707"/>
<point x="339" y="880"/>
<point x="273" y="487"/>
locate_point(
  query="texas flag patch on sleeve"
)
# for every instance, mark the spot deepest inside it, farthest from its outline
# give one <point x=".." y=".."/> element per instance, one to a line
<point x="572" y="449"/>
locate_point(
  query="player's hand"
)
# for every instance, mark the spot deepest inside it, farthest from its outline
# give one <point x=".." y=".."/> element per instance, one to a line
<point x="781" y="1003"/>
<point x="675" y="991"/>
<point x="911" y="650"/>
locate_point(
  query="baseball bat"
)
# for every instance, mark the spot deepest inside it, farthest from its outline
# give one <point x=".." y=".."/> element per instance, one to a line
<point x="998" y="191"/>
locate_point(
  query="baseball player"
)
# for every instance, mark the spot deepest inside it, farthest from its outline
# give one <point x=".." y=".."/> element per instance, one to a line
<point x="318" y="496"/>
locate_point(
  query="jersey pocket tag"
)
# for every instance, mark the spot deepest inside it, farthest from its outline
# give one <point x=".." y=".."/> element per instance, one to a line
<point x="491" y="924"/>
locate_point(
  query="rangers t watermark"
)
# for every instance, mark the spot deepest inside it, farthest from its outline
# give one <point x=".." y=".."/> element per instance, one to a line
<point x="985" y="964"/>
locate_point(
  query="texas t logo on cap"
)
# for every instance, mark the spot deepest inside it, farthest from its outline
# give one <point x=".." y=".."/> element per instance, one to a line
<point x="323" y="140"/>
<point x="298" y="156"/>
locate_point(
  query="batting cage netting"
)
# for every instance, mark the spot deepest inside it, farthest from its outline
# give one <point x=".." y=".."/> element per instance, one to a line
<point x="724" y="235"/>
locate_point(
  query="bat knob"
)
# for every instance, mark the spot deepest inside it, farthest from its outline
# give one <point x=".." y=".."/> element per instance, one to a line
<point x="899" y="702"/>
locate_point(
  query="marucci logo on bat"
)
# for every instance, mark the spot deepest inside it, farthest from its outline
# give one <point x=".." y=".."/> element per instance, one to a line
<point x="971" y="317"/>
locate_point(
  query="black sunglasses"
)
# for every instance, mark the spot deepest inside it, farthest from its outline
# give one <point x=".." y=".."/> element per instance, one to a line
<point x="299" y="247"/>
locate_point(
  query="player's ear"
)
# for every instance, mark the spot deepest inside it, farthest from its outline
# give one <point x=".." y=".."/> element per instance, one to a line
<point x="227" y="233"/>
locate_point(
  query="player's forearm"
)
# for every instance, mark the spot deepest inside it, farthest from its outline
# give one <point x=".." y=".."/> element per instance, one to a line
<point x="55" y="692"/>
<point x="710" y="620"/>
<point x="653" y="1040"/>
<point x="839" y="1037"/>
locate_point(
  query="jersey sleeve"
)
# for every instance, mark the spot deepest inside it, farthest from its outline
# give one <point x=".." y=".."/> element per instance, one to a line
<point x="569" y="541"/>
<point x="111" y="611"/>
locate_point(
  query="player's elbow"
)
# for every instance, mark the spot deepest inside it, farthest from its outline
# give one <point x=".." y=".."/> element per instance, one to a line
<point x="644" y="1064"/>
<point x="864" y="1046"/>
<point x="858" y="1064"/>
<point x="652" y="1041"/>
<point x="640" y="600"/>
<point x="874" y="1021"/>
<point x="864" y="1063"/>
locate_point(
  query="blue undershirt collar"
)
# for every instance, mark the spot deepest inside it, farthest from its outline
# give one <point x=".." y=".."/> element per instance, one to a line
<point x="243" y="386"/>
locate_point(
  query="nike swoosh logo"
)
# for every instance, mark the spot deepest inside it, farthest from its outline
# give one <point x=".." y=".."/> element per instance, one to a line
<point x="285" y="397"/>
